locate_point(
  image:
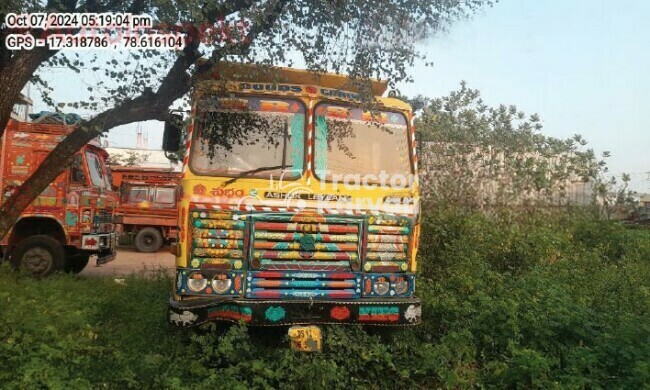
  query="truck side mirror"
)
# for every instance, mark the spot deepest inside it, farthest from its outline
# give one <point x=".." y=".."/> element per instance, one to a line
<point x="172" y="134"/>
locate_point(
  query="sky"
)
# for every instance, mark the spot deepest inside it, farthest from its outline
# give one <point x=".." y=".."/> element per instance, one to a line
<point x="582" y="65"/>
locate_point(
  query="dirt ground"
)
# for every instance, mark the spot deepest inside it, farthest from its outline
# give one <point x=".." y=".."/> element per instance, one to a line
<point x="130" y="261"/>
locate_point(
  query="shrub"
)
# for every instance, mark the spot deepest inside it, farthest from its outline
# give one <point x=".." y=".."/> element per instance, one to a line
<point x="532" y="301"/>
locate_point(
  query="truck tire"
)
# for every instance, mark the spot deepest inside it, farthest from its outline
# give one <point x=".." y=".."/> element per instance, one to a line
<point x="38" y="255"/>
<point x="76" y="263"/>
<point x="148" y="240"/>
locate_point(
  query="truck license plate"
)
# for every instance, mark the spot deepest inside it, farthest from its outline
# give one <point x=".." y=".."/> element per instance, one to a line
<point x="306" y="338"/>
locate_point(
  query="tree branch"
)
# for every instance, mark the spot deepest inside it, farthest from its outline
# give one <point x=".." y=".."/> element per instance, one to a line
<point x="220" y="11"/>
<point x="147" y="106"/>
<point x="16" y="68"/>
<point x="13" y="77"/>
<point x="271" y="15"/>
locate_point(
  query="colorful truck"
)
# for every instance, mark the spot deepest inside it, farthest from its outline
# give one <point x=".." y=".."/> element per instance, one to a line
<point x="72" y="219"/>
<point x="299" y="203"/>
<point x="147" y="209"/>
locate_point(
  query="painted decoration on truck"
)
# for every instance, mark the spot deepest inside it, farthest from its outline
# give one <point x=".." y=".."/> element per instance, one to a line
<point x="85" y="216"/>
<point x="185" y="319"/>
<point x="231" y="312"/>
<point x="275" y="313"/>
<point x="71" y="218"/>
<point x="20" y="170"/>
<point x="413" y="313"/>
<point x="73" y="199"/>
<point x="340" y="313"/>
<point x="10" y="188"/>
<point x="378" y="313"/>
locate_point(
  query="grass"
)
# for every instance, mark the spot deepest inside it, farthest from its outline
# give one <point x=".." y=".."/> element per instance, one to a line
<point x="536" y="303"/>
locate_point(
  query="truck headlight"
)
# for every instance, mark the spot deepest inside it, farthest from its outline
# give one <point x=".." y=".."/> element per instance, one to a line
<point x="221" y="283"/>
<point x="381" y="287"/>
<point x="401" y="286"/>
<point x="196" y="282"/>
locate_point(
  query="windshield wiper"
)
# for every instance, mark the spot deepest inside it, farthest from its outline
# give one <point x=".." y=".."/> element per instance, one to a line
<point x="285" y="137"/>
<point x="252" y="171"/>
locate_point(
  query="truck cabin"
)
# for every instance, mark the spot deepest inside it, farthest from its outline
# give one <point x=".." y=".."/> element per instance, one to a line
<point x="146" y="188"/>
<point x="76" y="209"/>
<point x="300" y="202"/>
<point x="153" y="196"/>
<point x="148" y="205"/>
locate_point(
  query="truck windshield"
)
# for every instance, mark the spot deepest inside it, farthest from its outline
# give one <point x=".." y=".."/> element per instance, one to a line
<point x="165" y="197"/>
<point x="138" y="194"/>
<point x="371" y="145"/>
<point x="98" y="175"/>
<point x="249" y="136"/>
<point x="160" y="197"/>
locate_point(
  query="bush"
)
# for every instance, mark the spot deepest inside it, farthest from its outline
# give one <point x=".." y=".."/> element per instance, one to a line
<point x="529" y="301"/>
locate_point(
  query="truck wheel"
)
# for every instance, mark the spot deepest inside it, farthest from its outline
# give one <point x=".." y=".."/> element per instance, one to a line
<point x="38" y="255"/>
<point x="148" y="240"/>
<point x="76" y="263"/>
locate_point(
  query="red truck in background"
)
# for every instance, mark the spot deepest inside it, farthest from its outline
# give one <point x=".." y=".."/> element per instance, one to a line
<point x="147" y="207"/>
<point x="72" y="219"/>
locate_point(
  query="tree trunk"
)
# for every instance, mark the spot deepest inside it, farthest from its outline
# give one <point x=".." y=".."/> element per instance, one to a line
<point x="19" y="68"/>
<point x="145" y="107"/>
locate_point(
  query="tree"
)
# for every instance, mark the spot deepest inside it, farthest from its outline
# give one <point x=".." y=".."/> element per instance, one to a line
<point x="129" y="158"/>
<point x="616" y="199"/>
<point x="495" y="158"/>
<point x="363" y="39"/>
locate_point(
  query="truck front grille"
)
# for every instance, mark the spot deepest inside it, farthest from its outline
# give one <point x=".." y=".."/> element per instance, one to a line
<point x="305" y="243"/>
<point x="103" y="216"/>
<point x="217" y="240"/>
<point x="387" y="244"/>
<point x="298" y="256"/>
<point x="303" y="285"/>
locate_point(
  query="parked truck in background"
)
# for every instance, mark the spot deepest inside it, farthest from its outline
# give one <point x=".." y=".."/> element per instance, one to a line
<point x="72" y="219"/>
<point x="147" y="208"/>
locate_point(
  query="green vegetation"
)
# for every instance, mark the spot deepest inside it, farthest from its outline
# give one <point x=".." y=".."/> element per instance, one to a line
<point x="538" y="301"/>
<point x="499" y="156"/>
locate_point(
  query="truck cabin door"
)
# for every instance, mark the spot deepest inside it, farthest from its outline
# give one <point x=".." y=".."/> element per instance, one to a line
<point x="77" y="171"/>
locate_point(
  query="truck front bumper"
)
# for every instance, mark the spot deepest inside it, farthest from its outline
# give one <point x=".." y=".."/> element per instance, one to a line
<point x="100" y="244"/>
<point x="388" y="312"/>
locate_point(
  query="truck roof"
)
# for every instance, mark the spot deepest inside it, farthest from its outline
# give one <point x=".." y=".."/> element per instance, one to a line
<point x="43" y="128"/>
<point x="141" y="175"/>
<point x="56" y="130"/>
<point x="231" y="71"/>
<point x="253" y="73"/>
